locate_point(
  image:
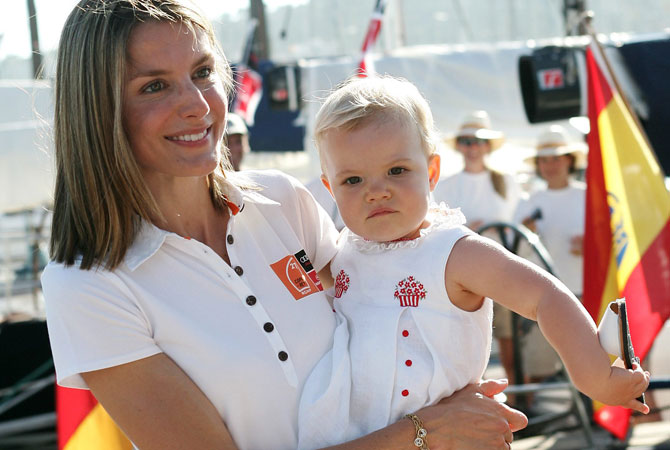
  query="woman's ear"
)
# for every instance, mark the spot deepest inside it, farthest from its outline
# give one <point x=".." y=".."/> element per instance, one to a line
<point x="433" y="170"/>
<point x="325" y="182"/>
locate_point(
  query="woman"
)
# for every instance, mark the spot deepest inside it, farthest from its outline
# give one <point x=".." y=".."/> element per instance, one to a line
<point x="556" y="213"/>
<point x="484" y="196"/>
<point x="184" y="295"/>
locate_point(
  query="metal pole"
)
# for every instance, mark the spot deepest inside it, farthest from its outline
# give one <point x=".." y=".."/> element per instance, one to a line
<point x="261" y="44"/>
<point x="34" y="40"/>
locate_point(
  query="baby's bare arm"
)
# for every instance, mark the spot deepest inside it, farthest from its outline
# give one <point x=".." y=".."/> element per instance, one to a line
<point x="479" y="267"/>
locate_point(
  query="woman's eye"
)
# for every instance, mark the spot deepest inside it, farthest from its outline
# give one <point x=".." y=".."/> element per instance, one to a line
<point x="353" y="180"/>
<point x="396" y="170"/>
<point x="154" y="87"/>
<point x="205" y="72"/>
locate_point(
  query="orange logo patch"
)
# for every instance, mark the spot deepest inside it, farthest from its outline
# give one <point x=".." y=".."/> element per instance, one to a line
<point x="294" y="277"/>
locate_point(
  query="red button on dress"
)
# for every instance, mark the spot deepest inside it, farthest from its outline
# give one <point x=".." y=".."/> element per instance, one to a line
<point x="405" y="393"/>
<point x="405" y="333"/>
<point x="408" y="362"/>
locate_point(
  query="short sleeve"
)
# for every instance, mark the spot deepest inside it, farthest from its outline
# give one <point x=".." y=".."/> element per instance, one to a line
<point x="307" y="218"/>
<point x="319" y="231"/>
<point x="93" y="322"/>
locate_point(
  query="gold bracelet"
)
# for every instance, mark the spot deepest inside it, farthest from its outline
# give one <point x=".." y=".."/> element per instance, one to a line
<point x="420" y="441"/>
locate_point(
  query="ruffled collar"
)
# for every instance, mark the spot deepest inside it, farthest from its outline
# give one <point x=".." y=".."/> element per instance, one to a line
<point x="440" y="217"/>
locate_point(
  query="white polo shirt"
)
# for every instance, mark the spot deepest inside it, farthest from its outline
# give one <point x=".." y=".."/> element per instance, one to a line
<point x="248" y="334"/>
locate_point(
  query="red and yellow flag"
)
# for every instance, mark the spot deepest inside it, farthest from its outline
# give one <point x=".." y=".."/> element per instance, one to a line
<point x="627" y="231"/>
<point x="83" y="424"/>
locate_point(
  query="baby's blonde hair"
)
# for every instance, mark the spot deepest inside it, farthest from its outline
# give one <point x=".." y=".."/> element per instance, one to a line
<point x="361" y="101"/>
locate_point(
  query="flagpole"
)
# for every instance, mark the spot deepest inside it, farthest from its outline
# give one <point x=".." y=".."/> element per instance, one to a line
<point x="586" y="20"/>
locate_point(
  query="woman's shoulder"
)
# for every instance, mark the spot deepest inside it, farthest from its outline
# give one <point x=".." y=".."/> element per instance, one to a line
<point x="61" y="275"/>
<point x="63" y="284"/>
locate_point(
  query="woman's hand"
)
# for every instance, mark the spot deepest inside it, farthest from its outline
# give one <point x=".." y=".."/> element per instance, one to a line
<point x="529" y="223"/>
<point x="472" y="419"/>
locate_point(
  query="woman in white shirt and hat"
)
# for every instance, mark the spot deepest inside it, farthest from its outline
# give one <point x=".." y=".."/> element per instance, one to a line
<point x="483" y="194"/>
<point x="556" y="213"/>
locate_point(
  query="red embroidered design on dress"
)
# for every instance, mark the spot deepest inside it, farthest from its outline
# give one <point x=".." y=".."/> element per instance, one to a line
<point x="409" y="291"/>
<point x="341" y="283"/>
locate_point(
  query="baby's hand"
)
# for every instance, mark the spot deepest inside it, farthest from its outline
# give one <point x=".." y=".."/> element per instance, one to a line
<point x="626" y="385"/>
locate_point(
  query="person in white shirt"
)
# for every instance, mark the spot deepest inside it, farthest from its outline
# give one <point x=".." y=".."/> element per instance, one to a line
<point x="413" y="285"/>
<point x="183" y="294"/>
<point x="484" y="196"/>
<point x="557" y="212"/>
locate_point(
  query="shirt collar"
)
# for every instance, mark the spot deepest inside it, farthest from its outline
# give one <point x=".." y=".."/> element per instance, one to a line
<point x="150" y="238"/>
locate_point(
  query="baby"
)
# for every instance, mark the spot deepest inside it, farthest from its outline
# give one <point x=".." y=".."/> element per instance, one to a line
<point x="412" y="283"/>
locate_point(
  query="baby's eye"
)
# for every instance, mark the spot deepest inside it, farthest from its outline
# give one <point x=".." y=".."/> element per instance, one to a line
<point x="205" y="72"/>
<point x="353" y="180"/>
<point x="396" y="170"/>
<point x="154" y="86"/>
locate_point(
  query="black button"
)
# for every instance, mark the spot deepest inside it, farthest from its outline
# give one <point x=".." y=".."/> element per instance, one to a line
<point x="283" y="356"/>
<point x="251" y="300"/>
<point x="230" y="239"/>
<point x="239" y="270"/>
<point x="268" y="327"/>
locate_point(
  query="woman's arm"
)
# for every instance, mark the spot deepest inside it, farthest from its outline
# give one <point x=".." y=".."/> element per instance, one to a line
<point x="480" y="267"/>
<point x="470" y="419"/>
<point x="158" y="406"/>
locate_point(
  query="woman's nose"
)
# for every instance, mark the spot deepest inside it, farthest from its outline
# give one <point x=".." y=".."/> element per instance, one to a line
<point x="192" y="101"/>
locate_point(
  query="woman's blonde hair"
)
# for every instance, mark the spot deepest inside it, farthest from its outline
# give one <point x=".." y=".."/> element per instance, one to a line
<point x="100" y="195"/>
<point x="360" y="101"/>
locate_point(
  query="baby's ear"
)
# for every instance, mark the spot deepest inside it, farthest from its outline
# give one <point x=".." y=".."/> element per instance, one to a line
<point x="325" y="182"/>
<point x="433" y="170"/>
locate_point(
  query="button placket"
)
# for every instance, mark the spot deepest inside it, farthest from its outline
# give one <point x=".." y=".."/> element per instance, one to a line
<point x="254" y="304"/>
<point x="269" y="330"/>
<point x="408" y="362"/>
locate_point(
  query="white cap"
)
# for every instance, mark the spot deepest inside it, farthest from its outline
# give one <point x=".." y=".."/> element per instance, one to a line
<point x="235" y="125"/>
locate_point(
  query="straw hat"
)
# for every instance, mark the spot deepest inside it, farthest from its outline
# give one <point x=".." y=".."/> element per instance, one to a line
<point x="554" y="142"/>
<point x="477" y="124"/>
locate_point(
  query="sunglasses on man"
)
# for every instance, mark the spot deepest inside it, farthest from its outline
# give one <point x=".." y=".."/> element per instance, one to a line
<point x="470" y="140"/>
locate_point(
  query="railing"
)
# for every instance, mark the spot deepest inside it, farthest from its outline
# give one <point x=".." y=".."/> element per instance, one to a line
<point x="23" y="240"/>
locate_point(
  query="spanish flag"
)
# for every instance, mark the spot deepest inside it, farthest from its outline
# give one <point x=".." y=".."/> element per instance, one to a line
<point x="83" y="424"/>
<point x="627" y="230"/>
